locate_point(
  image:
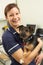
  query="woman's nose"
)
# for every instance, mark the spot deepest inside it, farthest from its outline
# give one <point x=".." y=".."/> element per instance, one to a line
<point x="15" y="16"/>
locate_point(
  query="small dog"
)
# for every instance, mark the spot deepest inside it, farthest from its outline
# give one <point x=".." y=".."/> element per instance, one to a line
<point x="26" y="33"/>
<point x="30" y="40"/>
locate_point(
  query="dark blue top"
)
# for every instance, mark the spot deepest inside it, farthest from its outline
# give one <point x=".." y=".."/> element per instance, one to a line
<point x="12" y="42"/>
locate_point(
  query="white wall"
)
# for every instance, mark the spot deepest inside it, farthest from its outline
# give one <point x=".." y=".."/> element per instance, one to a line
<point x="32" y="11"/>
<point x="3" y="3"/>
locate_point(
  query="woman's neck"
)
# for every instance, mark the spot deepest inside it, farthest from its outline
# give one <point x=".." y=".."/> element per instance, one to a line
<point x="15" y="28"/>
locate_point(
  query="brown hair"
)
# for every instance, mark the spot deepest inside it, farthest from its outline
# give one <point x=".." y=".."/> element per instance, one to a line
<point x="9" y="7"/>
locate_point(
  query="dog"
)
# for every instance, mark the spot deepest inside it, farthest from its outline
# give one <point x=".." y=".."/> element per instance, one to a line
<point x="26" y="33"/>
<point x="30" y="40"/>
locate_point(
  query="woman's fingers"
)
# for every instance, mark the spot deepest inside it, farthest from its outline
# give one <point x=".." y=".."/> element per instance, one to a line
<point x="40" y="41"/>
<point x="39" y="58"/>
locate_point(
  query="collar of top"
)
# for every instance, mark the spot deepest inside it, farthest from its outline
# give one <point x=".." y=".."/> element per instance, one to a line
<point x="12" y="30"/>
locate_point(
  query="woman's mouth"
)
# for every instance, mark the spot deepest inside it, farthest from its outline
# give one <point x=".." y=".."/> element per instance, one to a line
<point x="14" y="21"/>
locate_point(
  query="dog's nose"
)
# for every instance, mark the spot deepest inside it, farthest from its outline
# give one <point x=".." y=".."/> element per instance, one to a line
<point x="23" y="35"/>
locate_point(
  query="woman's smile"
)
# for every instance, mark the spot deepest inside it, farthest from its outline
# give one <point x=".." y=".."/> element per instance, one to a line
<point x="13" y="17"/>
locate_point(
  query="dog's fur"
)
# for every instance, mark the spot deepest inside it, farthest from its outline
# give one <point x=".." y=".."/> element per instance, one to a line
<point x="26" y="33"/>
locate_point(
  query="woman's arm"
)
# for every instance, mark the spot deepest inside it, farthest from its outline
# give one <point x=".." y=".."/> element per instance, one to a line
<point x="34" y="53"/>
<point x="19" y="54"/>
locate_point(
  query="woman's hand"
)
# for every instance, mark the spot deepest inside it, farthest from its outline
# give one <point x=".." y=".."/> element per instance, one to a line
<point x="39" y="58"/>
<point x="40" y="42"/>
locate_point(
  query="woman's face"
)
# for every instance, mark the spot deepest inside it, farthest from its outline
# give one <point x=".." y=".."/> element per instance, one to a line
<point x="13" y="17"/>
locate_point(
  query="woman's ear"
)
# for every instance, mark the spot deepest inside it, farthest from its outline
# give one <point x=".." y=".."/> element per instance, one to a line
<point x="6" y="17"/>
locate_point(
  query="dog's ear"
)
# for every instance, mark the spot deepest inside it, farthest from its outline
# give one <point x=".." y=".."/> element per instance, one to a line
<point x="31" y="28"/>
<point x="20" y="27"/>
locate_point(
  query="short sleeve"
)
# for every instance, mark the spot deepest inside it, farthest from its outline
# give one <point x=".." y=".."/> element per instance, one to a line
<point x="10" y="44"/>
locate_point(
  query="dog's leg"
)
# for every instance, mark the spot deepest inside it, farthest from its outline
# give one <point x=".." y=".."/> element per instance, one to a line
<point x="25" y="55"/>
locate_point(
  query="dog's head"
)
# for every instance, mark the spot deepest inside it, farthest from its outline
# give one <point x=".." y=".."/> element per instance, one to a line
<point x="26" y="31"/>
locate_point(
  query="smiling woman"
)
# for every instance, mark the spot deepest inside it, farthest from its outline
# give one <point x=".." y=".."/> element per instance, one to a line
<point x="11" y="40"/>
<point x="12" y="15"/>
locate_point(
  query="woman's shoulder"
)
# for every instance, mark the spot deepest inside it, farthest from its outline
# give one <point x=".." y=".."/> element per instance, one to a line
<point x="7" y="34"/>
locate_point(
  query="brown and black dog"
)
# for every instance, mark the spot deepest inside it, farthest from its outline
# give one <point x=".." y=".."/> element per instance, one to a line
<point x="26" y="33"/>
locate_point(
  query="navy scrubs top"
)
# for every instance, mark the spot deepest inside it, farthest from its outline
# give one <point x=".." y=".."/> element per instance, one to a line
<point x="12" y="42"/>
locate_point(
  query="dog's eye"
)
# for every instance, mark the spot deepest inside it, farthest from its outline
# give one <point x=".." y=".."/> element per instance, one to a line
<point x="26" y="30"/>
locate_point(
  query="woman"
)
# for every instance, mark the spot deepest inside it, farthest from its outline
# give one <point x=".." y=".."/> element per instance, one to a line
<point x="11" y="40"/>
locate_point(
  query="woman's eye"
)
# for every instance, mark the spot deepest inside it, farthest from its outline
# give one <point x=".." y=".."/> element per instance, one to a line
<point x="17" y="13"/>
<point x="11" y="15"/>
